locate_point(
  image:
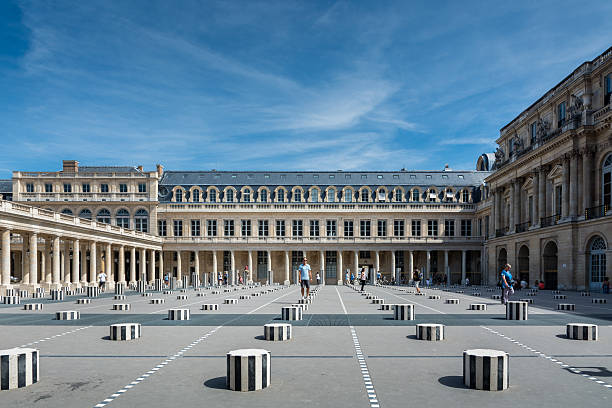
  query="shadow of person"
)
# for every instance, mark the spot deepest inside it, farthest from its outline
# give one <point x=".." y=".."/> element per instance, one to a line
<point x="218" y="383"/>
<point x="260" y="337"/>
<point x="453" y="381"/>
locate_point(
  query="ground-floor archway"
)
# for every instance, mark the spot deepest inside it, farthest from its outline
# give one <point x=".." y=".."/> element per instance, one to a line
<point x="523" y="264"/>
<point x="550" y="264"/>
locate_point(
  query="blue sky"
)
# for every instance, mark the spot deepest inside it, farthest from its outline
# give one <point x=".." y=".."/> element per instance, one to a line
<point x="311" y="85"/>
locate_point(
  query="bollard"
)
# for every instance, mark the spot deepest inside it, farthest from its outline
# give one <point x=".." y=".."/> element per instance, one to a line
<point x="277" y="331"/>
<point x="125" y="331"/>
<point x="430" y="331"/>
<point x="485" y="369"/>
<point x="248" y="369"/>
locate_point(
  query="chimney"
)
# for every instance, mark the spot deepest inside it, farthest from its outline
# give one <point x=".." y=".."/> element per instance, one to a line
<point x="160" y="170"/>
<point x="70" y="166"/>
<point x="140" y="168"/>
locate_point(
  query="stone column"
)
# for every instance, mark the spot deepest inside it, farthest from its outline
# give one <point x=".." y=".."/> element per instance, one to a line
<point x="122" y="264"/>
<point x="565" y="189"/>
<point x="428" y="264"/>
<point x="56" y="263"/>
<point x="143" y="265"/>
<point x="93" y="262"/>
<point x="250" y="267"/>
<point x="287" y="268"/>
<point x="232" y="267"/>
<point x="446" y="270"/>
<point x="410" y="264"/>
<point x="356" y="262"/>
<point x="67" y="279"/>
<point x="25" y="264"/>
<point x="270" y="272"/>
<point x="587" y="159"/>
<point x="45" y="264"/>
<point x="339" y="268"/>
<point x="574" y="185"/>
<point x="6" y="259"/>
<point x="496" y="211"/>
<point x="152" y="265"/>
<point x="542" y="193"/>
<point x="179" y="266"/>
<point x="75" y="263"/>
<point x="536" y="198"/>
<point x="108" y="262"/>
<point x="393" y="266"/>
<point x="132" y="265"/>
<point x="196" y="264"/>
<point x="161" y="265"/>
<point x="463" y="266"/>
<point x="322" y="256"/>
<point x="376" y="267"/>
<point x="34" y="260"/>
<point x="493" y="215"/>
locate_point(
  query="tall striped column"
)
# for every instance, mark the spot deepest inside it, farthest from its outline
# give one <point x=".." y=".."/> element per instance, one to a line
<point x="18" y="368"/>
<point x="516" y="310"/>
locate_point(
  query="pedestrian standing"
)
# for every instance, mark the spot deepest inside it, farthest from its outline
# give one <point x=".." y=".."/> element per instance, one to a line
<point x="305" y="276"/>
<point x="506" y="281"/>
<point x="362" y="278"/>
<point x="417" y="280"/>
<point x="318" y="279"/>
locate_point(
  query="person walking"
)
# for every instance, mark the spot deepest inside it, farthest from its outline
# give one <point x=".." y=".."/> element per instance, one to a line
<point x="506" y="281"/>
<point x="318" y="279"/>
<point x="305" y="276"/>
<point x="101" y="280"/>
<point x="166" y="280"/>
<point x="417" y="280"/>
<point x="362" y="278"/>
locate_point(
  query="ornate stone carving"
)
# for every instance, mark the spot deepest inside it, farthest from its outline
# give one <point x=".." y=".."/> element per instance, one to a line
<point x="499" y="155"/>
<point x="543" y="128"/>
<point x="576" y="108"/>
<point x="519" y="145"/>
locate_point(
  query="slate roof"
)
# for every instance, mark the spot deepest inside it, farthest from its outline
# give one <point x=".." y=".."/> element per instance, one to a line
<point x="108" y="169"/>
<point x="6" y="186"/>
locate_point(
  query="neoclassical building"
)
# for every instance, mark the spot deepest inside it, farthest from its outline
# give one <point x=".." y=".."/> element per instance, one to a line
<point x="540" y="202"/>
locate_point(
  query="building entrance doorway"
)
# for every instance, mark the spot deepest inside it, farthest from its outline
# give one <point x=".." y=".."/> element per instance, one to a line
<point x="523" y="264"/>
<point x="550" y="266"/>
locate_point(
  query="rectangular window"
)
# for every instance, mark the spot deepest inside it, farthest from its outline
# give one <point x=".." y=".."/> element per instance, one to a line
<point x="331" y="264"/>
<point x="280" y="228"/>
<point x="48" y="188"/>
<point x="449" y="228"/>
<point x="142" y="188"/>
<point x="123" y="188"/>
<point x="415" y="195"/>
<point x="314" y="228"/>
<point x="365" y="228"/>
<point x="86" y="188"/>
<point x="364" y="254"/>
<point x="229" y="195"/>
<point x="104" y="188"/>
<point x="195" y="228"/>
<point x="561" y="114"/>
<point x="262" y="228"/>
<point x="29" y="188"/>
<point x="432" y="228"/>
<point x="178" y="228"/>
<point x="195" y="195"/>
<point x="297" y="228"/>
<point x="161" y="228"/>
<point x="466" y="228"/>
<point x="141" y="224"/>
<point x="331" y="228"/>
<point x="608" y="90"/>
<point x="558" y="200"/>
<point x="228" y="228"/>
<point x="348" y="228"/>
<point x="531" y="210"/>
<point x="487" y="220"/>
<point x="245" y="228"/>
<point x="382" y="228"/>
<point x="533" y="131"/>
<point x="246" y="196"/>
<point x="67" y="188"/>
<point x="398" y="228"/>
<point x="480" y="227"/>
<point x="416" y="228"/>
<point x="211" y="228"/>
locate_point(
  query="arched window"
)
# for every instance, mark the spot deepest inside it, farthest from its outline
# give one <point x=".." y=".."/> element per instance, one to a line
<point x="398" y="195"/>
<point x="212" y="195"/>
<point x="416" y="194"/>
<point x="432" y="195"/>
<point x="297" y="195"/>
<point x="263" y="195"/>
<point x="85" y="213"/>
<point x="68" y="211"/>
<point x="598" y="262"/>
<point x="331" y="195"/>
<point x="364" y="195"/>
<point x="178" y="195"/>
<point x="280" y="195"/>
<point x="141" y="220"/>
<point x="123" y="218"/>
<point x="348" y="195"/>
<point x="104" y="216"/>
<point x="246" y="196"/>
<point x="314" y="195"/>
<point x="229" y="195"/>
<point x="450" y="195"/>
<point x="607" y="182"/>
<point x="465" y="196"/>
<point x="195" y="195"/>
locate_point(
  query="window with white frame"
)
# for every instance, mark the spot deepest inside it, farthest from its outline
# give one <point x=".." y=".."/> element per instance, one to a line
<point x="348" y="228"/>
<point x="123" y="218"/>
<point x="331" y="228"/>
<point x="195" y="228"/>
<point x="141" y="220"/>
<point x="246" y="196"/>
<point x="280" y="228"/>
<point x="314" y="228"/>
<point x="103" y="216"/>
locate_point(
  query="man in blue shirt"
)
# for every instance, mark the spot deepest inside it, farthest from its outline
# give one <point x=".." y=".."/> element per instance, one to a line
<point x="506" y="281"/>
<point x="305" y="276"/>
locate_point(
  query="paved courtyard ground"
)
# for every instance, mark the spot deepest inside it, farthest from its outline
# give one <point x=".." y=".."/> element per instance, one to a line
<point x="182" y="363"/>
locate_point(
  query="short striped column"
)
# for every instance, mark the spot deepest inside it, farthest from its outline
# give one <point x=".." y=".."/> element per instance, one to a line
<point x="33" y="306"/>
<point x="248" y="370"/>
<point x="230" y="301"/>
<point x="599" y="300"/>
<point x="452" y="301"/>
<point x="68" y="315"/>
<point x="119" y="297"/>
<point x="125" y="331"/>
<point x="93" y="291"/>
<point x="291" y="313"/>
<point x="119" y="288"/>
<point x="184" y="281"/>
<point x="158" y="285"/>
<point x="146" y="294"/>
<point x="256" y="294"/>
<point x="182" y="290"/>
<point x="121" y="306"/>
<point x="566" y="306"/>
<point x="181" y="297"/>
<point x="24" y="294"/>
<point x="83" y="301"/>
<point x="430" y="331"/>
<point x="11" y="300"/>
<point x="303" y="306"/>
<point x="420" y="294"/>
<point x="168" y="292"/>
<point x="403" y="312"/>
<point x="215" y="292"/>
<point x="556" y="292"/>
<point x="19" y="367"/>
<point x="559" y="296"/>
<point x="496" y="297"/>
<point x="585" y="293"/>
<point x="434" y="297"/>
<point x="277" y="331"/>
<point x="38" y="295"/>
<point x="157" y="301"/>
<point x="57" y="294"/>
<point x="477" y="294"/>
<point x="244" y="297"/>
<point x="478" y="306"/>
<point x="386" y="306"/>
<point x="200" y="294"/>
<point x="528" y="300"/>
<point x="178" y="314"/>
<point x="141" y="286"/>
<point x="210" y="306"/>
<point x="516" y="310"/>
<point x="378" y="301"/>
<point x="485" y="369"/>
<point x="582" y="331"/>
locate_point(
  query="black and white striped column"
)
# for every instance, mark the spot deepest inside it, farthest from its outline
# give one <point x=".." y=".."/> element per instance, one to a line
<point x="244" y="297"/>
<point x="277" y="331"/>
<point x="599" y="300"/>
<point x="141" y="286"/>
<point x="305" y="301"/>
<point x="528" y="300"/>
<point x="566" y="306"/>
<point x="83" y="301"/>
<point x="478" y="306"/>
<point x="434" y="297"/>
<point x="119" y="297"/>
<point x="291" y="313"/>
<point x="559" y="296"/>
<point x="230" y="301"/>
<point x="18" y="368"/>
<point x="158" y="285"/>
<point x="146" y="294"/>
<point x="24" y="294"/>
<point x="516" y="310"/>
<point x="581" y="331"/>
<point x="181" y="297"/>
<point x="378" y="301"/>
<point x="430" y="331"/>
<point x="178" y="314"/>
<point x="93" y="291"/>
<point x="121" y="306"/>
<point x="119" y="288"/>
<point x="157" y="301"/>
<point x="303" y="306"/>
<point x="33" y="306"/>
<point x="485" y="369"/>
<point x="57" y="294"/>
<point x="168" y="292"/>
<point x="125" y="331"/>
<point x="68" y="315"/>
<point x="452" y="301"/>
<point x="496" y="297"/>
<point x="386" y="306"/>
<point x="248" y="369"/>
<point x="210" y="306"/>
<point x="200" y="294"/>
<point x="11" y="300"/>
<point x="185" y="282"/>
<point x="404" y="312"/>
